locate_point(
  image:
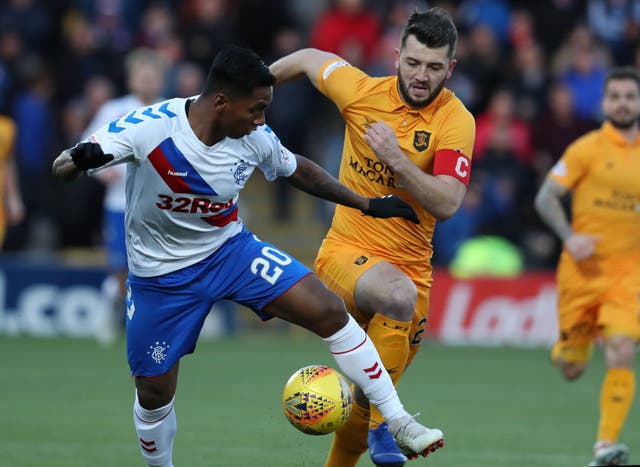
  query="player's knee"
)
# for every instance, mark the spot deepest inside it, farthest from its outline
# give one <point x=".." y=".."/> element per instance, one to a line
<point x="334" y="316"/>
<point x="620" y="351"/>
<point x="400" y="303"/>
<point x="151" y="394"/>
<point x="572" y="371"/>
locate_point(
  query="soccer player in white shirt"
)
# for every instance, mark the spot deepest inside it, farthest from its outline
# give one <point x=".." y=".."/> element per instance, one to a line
<point x="187" y="248"/>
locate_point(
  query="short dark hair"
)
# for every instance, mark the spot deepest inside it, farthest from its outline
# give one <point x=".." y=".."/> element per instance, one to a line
<point x="624" y="72"/>
<point x="433" y="28"/>
<point x="238" y="71"/>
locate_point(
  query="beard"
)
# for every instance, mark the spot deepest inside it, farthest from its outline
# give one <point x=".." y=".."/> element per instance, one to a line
<point x="415" y="103"/>
<point x="623" y="124"/>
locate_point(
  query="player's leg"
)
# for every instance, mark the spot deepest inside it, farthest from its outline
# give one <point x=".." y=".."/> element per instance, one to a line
<point x="339" y="268"/>
<point x="571" y="361"/>
<point x="621" y="331"/>
<point x="350" y="440"/>
<point x="389" y="309"/>
<point x="154" y="416"/>
<point x="387" y="297"/>
<point x="616" y="287"/>
<point x="272" y="283"/>
<point x="616" y="397"/>
<point x="618" y="388"/>
<point x="383" y="299"/>
<point x="383" y="449"/>
<point x="164" y="318"/>
<point x="578" y="303"/>
<point x="311" y="305"/>
<point x="618" y="318"/>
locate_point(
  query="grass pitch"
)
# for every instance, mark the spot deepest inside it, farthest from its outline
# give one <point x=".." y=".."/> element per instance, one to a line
<point x="67" y="403"/>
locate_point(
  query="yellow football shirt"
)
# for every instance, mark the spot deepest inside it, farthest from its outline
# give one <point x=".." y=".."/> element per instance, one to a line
<point x="7" y="139"/>
<point x="443" y="128"/>
<point x="602" y="170"/>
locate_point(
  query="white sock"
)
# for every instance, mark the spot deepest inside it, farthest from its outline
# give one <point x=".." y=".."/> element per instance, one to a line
<point x="358" y="358"/>
<point x="156" y="429"/>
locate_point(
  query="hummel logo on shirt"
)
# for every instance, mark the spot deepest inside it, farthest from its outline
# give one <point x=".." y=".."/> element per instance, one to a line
<point x="177" y="174"/>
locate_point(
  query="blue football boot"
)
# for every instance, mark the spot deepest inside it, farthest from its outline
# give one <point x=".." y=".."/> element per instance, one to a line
<point x="383" y="448"/>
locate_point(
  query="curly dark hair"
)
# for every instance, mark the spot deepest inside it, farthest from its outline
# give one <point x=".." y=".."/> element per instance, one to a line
<point x="237" y="71"/>
<point x="433" y="28"/>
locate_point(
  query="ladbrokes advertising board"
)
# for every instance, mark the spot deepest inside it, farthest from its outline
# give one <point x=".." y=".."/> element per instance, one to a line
<point x="493" y="311"/>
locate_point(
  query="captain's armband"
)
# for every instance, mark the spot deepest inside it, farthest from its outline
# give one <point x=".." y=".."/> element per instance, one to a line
<point x="453" y="163"/>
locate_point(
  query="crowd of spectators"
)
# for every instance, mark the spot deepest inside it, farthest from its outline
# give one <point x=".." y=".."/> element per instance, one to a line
<point x="531" y="73"/>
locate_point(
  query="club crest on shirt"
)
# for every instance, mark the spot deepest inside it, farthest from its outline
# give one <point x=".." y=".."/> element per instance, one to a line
<point x="240" y="174"/>
<point x="361" y="260"/>
<point x="421" y="140"/>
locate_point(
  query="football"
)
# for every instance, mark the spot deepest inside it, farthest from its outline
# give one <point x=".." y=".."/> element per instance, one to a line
<point x="317" y="400"/>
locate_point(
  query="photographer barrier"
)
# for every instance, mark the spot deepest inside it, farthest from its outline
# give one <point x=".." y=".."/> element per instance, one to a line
<point x="51" y="299"/>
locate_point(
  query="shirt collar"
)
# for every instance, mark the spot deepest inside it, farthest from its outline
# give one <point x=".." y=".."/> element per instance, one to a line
<point x="612" y="133"/>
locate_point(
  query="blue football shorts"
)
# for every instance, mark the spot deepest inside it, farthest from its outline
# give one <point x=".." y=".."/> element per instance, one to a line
<point x="115" y="240"/>
<point x="165" y="313"/>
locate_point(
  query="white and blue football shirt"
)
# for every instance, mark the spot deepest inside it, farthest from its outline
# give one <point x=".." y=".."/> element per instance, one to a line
<point x="114" y="198"/>
<point x="182" y="194"/>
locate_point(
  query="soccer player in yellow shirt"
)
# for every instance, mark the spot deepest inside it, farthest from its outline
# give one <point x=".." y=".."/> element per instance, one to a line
<point x="599" y="270"/>
<point x="12" y="209"/>
<point x="406" y="135"/>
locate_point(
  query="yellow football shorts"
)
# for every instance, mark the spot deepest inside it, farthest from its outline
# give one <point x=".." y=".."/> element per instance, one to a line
<point x="596" y="298"/>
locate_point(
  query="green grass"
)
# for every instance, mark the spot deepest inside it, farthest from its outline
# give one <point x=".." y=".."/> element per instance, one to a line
<point x="67" y="403"/>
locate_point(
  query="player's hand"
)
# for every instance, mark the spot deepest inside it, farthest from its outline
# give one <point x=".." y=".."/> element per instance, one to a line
<point x="89" y="156"/>
<point x="384" y="143"/>
<point x="581" y="246"/>
<point x="390" y="206"/>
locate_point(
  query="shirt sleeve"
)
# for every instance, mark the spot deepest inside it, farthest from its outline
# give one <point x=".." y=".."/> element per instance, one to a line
<point x="277" y="160"/>
<point x="120" y="145"/>
<point x="572" y="166"/>
<point x="458" y="133"/>
<point x="7" y="137"/>
<point x="454" y="147"/>
<point x="341" y="82"/>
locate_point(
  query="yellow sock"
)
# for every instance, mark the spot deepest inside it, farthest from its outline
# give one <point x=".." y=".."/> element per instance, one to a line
<point x="391" y="338"/>
<point x="616" y="396"/>
<point x="350" y="440"/>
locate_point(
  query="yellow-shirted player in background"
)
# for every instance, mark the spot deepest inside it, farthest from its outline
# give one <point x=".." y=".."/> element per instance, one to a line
<point x="599" y="270"/>
<point x="406" y="135"/>
<point x="11" y="205"/>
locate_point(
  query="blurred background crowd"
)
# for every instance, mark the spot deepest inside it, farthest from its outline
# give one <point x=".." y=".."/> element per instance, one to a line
<point x="530" y="71"/>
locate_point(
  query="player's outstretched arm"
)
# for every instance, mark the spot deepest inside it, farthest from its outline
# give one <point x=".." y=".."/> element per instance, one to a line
<point x="548" y="204"/>
<point x="83" y="156"/>
<point x="64" y="168"/>
<point x="313" y="179"/>
<point x="296" y="65"/>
